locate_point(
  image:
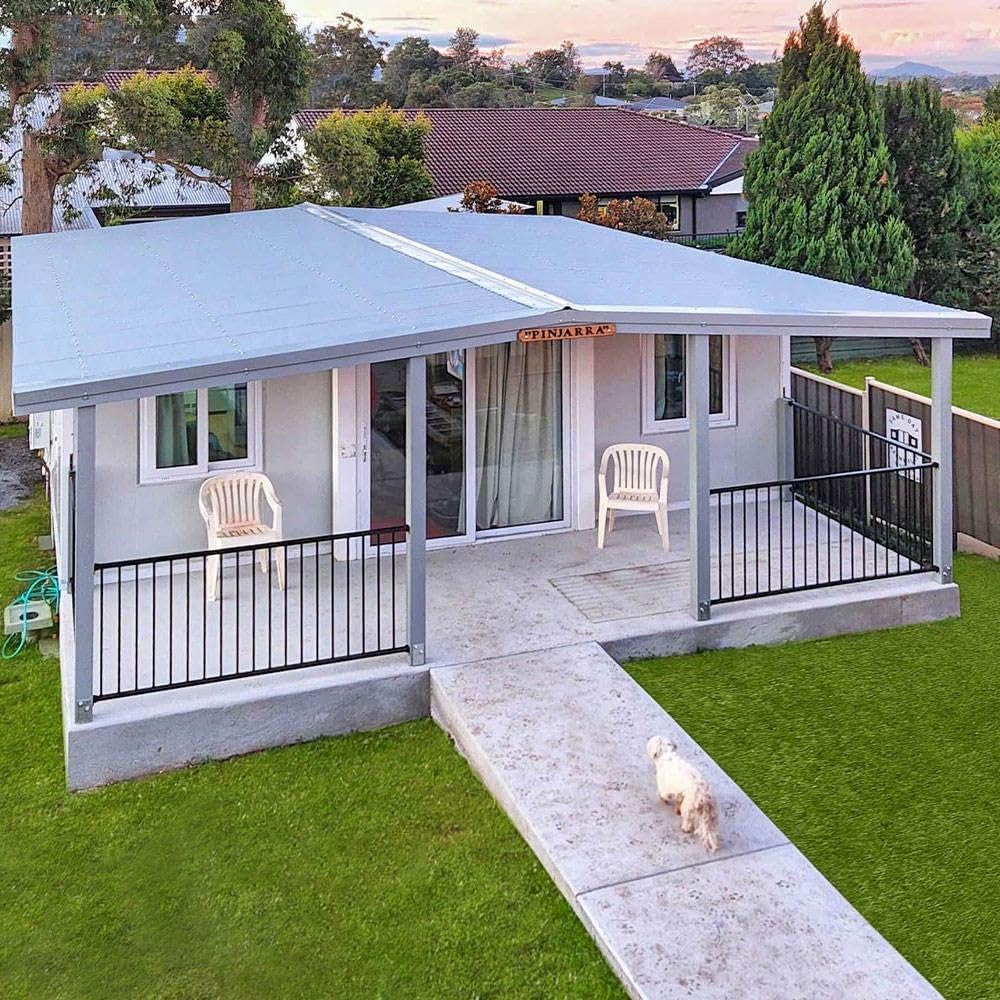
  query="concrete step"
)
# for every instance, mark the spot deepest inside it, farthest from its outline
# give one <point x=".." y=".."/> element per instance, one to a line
<point x="558" y="737"/>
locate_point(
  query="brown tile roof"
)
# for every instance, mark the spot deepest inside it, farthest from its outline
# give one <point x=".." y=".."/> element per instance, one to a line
<point x="566" y="151"/>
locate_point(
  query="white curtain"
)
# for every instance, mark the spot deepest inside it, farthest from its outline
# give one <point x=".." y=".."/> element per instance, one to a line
<point x="519" y="434"/>
<point x="172" y="446"/>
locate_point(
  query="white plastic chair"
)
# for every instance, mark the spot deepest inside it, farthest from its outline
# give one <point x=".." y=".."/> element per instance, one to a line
<point x="230" y="505"/>
<point x="641" y="472"/>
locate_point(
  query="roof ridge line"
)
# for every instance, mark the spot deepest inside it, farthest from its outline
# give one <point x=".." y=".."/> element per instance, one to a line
<point x="491" y="281"/>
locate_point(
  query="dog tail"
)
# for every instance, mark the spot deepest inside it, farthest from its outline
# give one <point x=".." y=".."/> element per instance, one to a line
<point x="706" y="818"/>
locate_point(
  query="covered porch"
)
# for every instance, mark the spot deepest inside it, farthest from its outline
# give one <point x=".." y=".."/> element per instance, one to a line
<point x="344" y="288"/>
<point x="346" y="599"/>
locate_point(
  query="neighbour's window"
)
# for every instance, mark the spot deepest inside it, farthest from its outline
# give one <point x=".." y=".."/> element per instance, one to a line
<point x="192" y="433"/>
<point x="670" y="206"/>
<point x="665" y="381"/>
<point x="741" y="220"/>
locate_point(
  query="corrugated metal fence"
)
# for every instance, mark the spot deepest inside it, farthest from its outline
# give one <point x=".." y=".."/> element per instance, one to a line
<point x="905" y="416"/>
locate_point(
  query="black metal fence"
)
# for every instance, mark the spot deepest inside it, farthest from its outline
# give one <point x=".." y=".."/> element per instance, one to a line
<point x="821" y="531"/>
<point x="857" y="507"/>
<point x="160" y="623"/>
<point x="703" y="241"/>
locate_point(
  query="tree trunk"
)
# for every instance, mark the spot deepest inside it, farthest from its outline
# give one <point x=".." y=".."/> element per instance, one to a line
<point x="824" y="354"/>
<point x="918" y="351"/>
<point x="39" y="188"/>
<point x="241" y="188"/>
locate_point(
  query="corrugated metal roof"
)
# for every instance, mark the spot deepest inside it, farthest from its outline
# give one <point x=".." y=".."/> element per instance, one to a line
<point x="138" y="183"/>
<point x="304" y="288"/>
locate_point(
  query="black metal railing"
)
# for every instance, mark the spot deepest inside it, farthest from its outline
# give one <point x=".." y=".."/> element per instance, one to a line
<point x="703" y="241"/>
<point x="158" y="624"/>
<point x="821" y="531"/>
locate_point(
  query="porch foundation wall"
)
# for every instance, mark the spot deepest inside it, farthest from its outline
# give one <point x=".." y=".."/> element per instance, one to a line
<point x="170" y="730"/>
<point x="799" y="617"/>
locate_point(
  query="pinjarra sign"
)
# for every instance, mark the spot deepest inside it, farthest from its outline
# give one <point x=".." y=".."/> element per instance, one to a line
<point x="542" y="333"/>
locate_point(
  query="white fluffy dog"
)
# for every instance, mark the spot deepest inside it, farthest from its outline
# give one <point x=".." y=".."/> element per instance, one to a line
<point x="681" y="783"/>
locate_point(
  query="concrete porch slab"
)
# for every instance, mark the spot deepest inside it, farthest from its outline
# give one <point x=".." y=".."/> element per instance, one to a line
<point x="558" y="737"/>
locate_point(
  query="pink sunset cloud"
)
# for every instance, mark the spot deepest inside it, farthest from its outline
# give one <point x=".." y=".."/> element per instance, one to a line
<point x="960" y="35"/>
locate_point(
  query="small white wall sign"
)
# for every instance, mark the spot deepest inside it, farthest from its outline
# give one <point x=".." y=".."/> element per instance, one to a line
<point x="909" y="432"/>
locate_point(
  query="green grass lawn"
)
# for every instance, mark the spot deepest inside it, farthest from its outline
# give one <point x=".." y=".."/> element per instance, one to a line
<point x="13" y="430"/>
<point x="373" y="865"/>
<point x="975" y="378"/>
<point x="879" y="756"/>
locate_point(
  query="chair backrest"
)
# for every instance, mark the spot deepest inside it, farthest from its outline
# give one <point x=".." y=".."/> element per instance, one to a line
<point x="232" y="500"/>
<point x="638" y="467"/>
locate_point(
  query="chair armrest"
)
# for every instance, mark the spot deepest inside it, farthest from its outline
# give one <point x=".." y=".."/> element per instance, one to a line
<point x="602" y="474"/>
<point x="267" y="487"/>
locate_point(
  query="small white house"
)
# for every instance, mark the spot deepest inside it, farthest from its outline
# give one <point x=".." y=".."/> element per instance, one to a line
<point x="293" y="342"/>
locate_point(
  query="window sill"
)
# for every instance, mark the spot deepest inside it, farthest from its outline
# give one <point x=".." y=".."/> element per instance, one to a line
<point x="683" y="425"/>
<point x="189" y="474"/>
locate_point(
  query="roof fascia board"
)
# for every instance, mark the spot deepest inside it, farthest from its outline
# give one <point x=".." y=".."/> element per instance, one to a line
<point x="859" y="324"/>
<point x="708" y="180"/>
<point x="277" y="366"/>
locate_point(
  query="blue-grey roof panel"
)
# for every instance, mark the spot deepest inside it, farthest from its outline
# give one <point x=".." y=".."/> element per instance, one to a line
<point x="596" y="266"/>
<point x="134" y="302"/>
<point x="119" y="312"/>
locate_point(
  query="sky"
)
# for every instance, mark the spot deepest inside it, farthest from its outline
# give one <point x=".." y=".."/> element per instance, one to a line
<point x="959" y="35"/>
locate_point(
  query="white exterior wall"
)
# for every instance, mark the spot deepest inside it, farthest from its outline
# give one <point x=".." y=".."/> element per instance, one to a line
<point x="300" y="451"/>
<point x="134" y="521"/>
<point x="744" y="453"/>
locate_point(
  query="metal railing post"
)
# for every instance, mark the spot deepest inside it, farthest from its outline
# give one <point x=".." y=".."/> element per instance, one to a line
<point x="941" y="432"/>
<point x="83" y="561"/>
<point x="700" y="532"/>
<point x="416" y="507"/>
<point x="786" y="443"/>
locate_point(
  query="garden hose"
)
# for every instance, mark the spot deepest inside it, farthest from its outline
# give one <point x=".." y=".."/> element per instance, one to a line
<point x="42" y="585"/>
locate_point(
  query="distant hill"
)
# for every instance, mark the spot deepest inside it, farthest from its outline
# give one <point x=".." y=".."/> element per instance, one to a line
<point x="909" y="70"/>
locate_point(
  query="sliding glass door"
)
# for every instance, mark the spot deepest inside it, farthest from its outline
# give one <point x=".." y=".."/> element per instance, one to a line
<point x="495" y="420"/>
<point x="446" y="429"/>
<point x="519" y="435"/>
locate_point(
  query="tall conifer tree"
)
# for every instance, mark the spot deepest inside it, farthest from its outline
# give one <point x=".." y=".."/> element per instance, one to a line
<point x="821" y="192"/>
<point x="921" y="138"/>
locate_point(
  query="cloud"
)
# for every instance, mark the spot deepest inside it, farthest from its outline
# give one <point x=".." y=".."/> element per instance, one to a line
<point x="882" y="4"/>
<point x="441" y="40"/>
<point x="608" y="48"/>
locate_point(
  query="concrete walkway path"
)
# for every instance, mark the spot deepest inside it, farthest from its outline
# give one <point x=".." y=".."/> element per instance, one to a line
<point x="558" y="737"/>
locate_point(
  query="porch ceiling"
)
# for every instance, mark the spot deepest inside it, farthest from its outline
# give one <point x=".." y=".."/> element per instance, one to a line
<point x="134" y="310"/>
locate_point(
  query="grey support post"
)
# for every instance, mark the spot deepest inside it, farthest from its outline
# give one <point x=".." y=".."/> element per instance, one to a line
<point x="698" y="481"/>
<point x="416" y="508"/>
<point x="83" y="565"/>
<point x="941" y="454"/>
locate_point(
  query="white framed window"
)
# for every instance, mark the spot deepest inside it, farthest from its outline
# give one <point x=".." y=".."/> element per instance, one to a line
<point x="664" y="383"/>
<point x="188" y="435"/>
<point x="670" y="206"/>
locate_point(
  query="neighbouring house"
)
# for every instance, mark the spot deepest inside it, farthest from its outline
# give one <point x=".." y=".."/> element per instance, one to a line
<point x="96" y="198"/>
<point x="664" y="105"/>
<point x="547" y="157"/>
<point x="431" y="395"/>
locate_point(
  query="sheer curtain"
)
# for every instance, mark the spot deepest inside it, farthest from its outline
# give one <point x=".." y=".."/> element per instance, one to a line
<point x="519" y="434"/>
<point x="175" y="445"/>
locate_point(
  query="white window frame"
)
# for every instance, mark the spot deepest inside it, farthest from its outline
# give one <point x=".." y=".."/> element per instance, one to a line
<point x="650" y="425"/>
<point x="149" y="474"/>
<point x="676" y="199"/>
